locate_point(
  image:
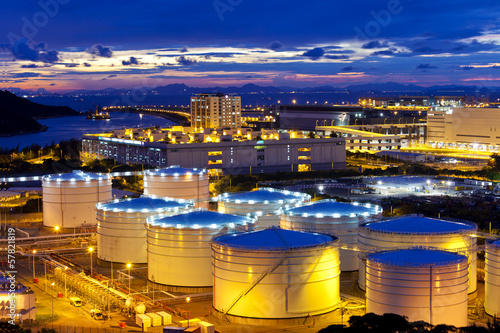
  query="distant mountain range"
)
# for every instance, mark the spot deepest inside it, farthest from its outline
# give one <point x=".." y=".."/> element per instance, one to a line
<point x="361" y="89"/>
<point x="18" y="115"/>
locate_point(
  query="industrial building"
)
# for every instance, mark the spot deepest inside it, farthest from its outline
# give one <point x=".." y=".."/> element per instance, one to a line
<point x="180" y="183"/>
<point x="264" y="203"/>
<point x="121" y="231"/>
<point x="69" y="199"/>
<point x="333" y="218"/>
<point x="401" y="184"/>
<point x="421" y="284"/>
<point x="18" y="297"/>
<point x="492" y="278"/>
<point x="215" y="110"/>
<point x="414" y="230"/>
<point x="178" y="247"/>
<point x="275" y="276"/>
<point x="464" y="127"/>
<point x="307" y="117"/>
<point x="277" y="152"/>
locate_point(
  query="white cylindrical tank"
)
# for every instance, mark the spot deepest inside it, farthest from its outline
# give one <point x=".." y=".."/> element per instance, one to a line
<point x="265" y="203"/>
<point x="69" y="199"/>
<point x="276" y="273"/>
<point x="331" y="217"/>
<point x="180" y="183"/>
<point x="421" y="284"/>
<point x="414" y="230"/>
<point x="492" y="278"/>
<point x="179" y="253"/>
<point x="121" y="226"/>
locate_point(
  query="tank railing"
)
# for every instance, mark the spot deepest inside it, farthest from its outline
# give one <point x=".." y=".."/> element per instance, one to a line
<point x="421" y="215"/>
<point x="268" y="271"/>
<point x="275" y="249"/>
<point x="297" y="195"/>
<point x="336" y="232"/>
<point x="463" y="251"/>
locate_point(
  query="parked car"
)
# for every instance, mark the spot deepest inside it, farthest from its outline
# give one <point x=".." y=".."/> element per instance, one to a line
<point x="75" y="301"/>
<point x="96" y="314"/>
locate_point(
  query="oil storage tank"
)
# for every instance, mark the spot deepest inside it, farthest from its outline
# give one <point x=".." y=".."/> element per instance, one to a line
<point x="269" y="275"/>
<point x="492" y="278"/>
<point x="331" y="217"/>
<point x="121" y="226"/>
<point x="69" y="199"/>
<point x="421" y="284"/>
<point x="416" y="230"/>
<point x="180" y="183"/>
<point x="178" y="247"/>
<point x="265" y="203"/>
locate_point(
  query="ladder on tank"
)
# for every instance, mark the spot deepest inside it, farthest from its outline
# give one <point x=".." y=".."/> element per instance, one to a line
<point x="268" y="271"/>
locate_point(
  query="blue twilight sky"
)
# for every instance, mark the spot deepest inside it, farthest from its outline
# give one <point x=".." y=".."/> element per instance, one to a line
<point x="71" y="44"/>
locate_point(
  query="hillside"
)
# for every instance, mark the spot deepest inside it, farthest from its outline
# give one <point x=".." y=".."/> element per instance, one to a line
<point x="17" y="114"/>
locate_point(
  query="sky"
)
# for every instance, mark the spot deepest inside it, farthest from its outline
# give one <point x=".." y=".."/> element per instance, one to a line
<point x="63" y="45"/>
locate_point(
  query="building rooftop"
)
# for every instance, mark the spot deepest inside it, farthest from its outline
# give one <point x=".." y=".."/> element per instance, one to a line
<point x="264" y="195"/>
<point x="402" y="180"/>
<point x="416" y="257"/>
<point x="175" y="170"/>
<point x="145" y="204"/>
<point x="76" y="175"/>
<point x="420" y="225"/>
<point x="331" y="208"/>
<point x="274" y="239"/>
<point x="200" y="219"/>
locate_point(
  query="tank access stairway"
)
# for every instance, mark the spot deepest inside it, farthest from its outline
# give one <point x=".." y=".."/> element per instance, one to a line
<point x="268" y="271"/>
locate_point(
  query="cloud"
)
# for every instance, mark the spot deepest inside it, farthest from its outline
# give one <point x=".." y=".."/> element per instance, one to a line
<point x="22" y="51"/>
<point x="30" y="66"/>
<point x="86" y="64"/>
<point x="100" y="50"/>
<point x="375" y="45"/>
<point x="184" y="49"/>
<point x="336" y="57"/>
<point x="466" y="68"/>
<point x="113" y="75"/>
<point x="314" y="54"/>
<point x="25" y="74"/>
<point x="71" y="65"/>
<point x="131" y="61"/>
<point x="274" y="45"/>
<point x="349" y="69"/>
<point x="184" y="61"/>
<point x="425" y="66"/>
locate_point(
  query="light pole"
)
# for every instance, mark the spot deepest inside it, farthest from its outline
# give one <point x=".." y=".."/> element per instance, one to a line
<point x="91" y="249"/>
<point x="65" y="275"/>
<point x="188" y="314"/>
<point x="129" y="277"/>
<point x="34" y="252"/>
<point x="52" y="294"/>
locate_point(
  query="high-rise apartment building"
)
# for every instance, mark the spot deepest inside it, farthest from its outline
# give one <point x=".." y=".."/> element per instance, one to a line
<point x="215" y="110"/>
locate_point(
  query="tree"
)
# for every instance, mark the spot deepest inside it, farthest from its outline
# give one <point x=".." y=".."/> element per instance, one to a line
<point x="311" y="135"/>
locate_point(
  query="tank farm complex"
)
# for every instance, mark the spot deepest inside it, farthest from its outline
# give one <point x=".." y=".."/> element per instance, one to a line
<point x="174" y="256"/>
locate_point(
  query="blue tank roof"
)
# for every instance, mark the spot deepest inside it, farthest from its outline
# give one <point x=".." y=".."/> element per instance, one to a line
<point x="419" y="225"/>
<point x="265" y="195"/>
<point x="416" y="257"/>
<point x="76" y="175"/>
<point x="274" y="239"/>
<point x="333" y="208"/>
<point x="200" y="219"/>
<point x="496" y="243"/>
<point x="175" y="170"/>
<point x="142" y="203"/>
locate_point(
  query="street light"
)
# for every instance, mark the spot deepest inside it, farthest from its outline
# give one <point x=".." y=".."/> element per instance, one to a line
<point x="34" y="252"/>
<point x="56" y="228"/>
<point x="65" y="274"/>
<point x="188" y="314"/>
<point x="128" y="266"/>
<point x="91" y="249"/>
